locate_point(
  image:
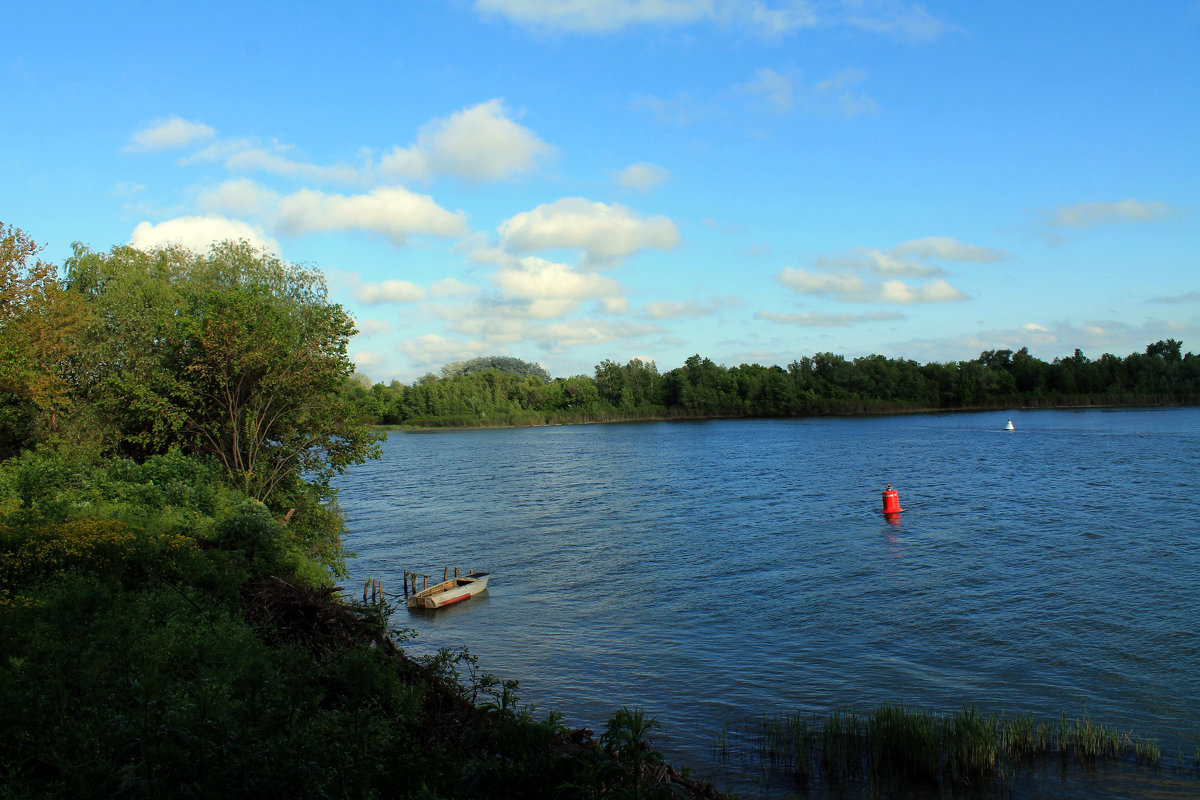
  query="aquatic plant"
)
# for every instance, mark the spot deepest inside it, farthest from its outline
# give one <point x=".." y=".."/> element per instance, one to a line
<point x="894" y="745"/>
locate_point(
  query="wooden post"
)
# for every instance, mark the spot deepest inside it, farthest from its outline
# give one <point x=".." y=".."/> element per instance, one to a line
<point x="405" y="584"/>
<point x="366" y="586"/>
<point x="456" y="573"/>
<point x="446" y="575"/>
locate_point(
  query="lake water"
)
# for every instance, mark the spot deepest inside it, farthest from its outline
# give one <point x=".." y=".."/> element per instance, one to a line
<point x="710" y="572"/>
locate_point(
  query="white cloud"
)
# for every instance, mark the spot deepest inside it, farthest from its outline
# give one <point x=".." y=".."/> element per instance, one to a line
<point x="687" y="308"/>
<point x="614" y="305"/>
<point x="365" y="358"/>
<point x="845" y="286"/>
<point x="392" y="291"/>
<point x="643" y="176"/>
<point x="824" y="320"/>
<point x="240" y="196"/>
<point x="894" y="18"/>
<point x="906" y="22"/>
<point x="782" y="91"/>
<point x="246" y="155"/>
<point x="1087" y="215"/>
<point x="478" y="143"/>
<point x="369" y="327"/>
<point x="199" y="233"/>
<point x="257" y="159"/>
<point x="850" y="287"/>
<point x="390" y="211"/>
<point x="933" y="291"/>
<point x="605" y="16"/>
<point x="605" y="233"/>
<point x="879" y="263"/>
<point x="170" y="134"/>
<point x="948" y="249"/>
<point x="537" y="278"/>
<point x="451" y="287"/>
<point x="679" y="110"/>
<point x="431" y="349"/>
<point x="775" y="87"/>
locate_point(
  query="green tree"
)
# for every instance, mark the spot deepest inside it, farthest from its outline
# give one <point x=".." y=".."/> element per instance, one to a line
<point x="39" y="326"/>
<point x="235" y="354"/>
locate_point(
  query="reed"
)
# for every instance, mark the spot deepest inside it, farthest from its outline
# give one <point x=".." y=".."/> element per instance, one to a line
<point x="894" y="745"/>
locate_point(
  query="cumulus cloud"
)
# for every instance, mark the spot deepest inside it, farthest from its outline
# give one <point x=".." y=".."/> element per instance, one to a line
<point x="536" y="278"/>
<point x="559" y="336"/>
<point x="908" y="22"/>
<point x="878" y="262"/>
<point x="170" y="134"/>
<point x="477" y="143"/>
<point x="1087" y="215"/>
<point x="369" y="327"/>
<point x="605" y="16"/>
<point x="825" y="320"/>
<point x="774" y="87"/>
<point x="390" y="211"/>
<point x="842" y="285"/>
<point x="392" y="291"/>
<point x="782" y="91"/>
<point x="947" y="248"/>
<point x="769" y="19"/>
<point x="605" y="233"/>
<point x="643" y="176"/>
<point x="246" y="155"/>
<point x="687" y="308"/>
<point x="199" y="233"/>
<point x="451" y="287"/>
<point x="258" y="159"/>
<point x="240" y="196"/>
<point x="433" y="350"/>
<point x="849" y="287"/>
<point x="933" y="291"/>
<point x="366" y="358"/>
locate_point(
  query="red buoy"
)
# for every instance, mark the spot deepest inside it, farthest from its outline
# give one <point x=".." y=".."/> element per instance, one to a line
<point x="891" y="501"/>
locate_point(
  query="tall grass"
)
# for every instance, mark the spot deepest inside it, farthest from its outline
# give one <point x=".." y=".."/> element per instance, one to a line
<point x="894" y="744"/>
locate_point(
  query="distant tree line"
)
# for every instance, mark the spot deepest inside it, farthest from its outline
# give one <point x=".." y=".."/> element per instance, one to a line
<point x="494" y="392"/>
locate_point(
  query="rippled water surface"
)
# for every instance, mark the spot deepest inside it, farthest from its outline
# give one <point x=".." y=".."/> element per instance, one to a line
<point x="709" y="572"/>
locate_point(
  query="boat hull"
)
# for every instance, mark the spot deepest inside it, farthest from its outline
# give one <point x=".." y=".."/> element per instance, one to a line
<point x="448" y="593"/>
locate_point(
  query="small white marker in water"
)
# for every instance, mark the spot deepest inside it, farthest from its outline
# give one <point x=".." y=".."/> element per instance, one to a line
<point x="1009" y="426"/>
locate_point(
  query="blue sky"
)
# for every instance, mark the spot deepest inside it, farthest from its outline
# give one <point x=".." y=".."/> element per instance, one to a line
<point x="567" y="181"/>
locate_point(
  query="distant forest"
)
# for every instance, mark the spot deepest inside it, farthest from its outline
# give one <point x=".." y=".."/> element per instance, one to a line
<point x="500" y="390"/>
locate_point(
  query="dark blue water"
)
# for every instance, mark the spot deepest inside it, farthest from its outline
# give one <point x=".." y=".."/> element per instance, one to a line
<point x="710" y="572"/>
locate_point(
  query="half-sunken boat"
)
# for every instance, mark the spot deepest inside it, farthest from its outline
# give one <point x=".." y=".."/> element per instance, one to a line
<point x="450" y="591"/>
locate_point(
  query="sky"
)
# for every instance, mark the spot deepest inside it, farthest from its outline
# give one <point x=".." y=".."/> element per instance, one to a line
<point x="569" y="181"/>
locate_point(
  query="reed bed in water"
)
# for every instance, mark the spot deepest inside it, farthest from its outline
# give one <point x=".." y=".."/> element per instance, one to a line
<point x="894" y="743"/>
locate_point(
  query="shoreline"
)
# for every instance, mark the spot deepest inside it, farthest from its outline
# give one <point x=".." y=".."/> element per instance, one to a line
<point x="618" y="418"/>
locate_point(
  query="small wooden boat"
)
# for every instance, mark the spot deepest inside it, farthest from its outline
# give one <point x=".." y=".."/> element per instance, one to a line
<point x="450" y="591"/>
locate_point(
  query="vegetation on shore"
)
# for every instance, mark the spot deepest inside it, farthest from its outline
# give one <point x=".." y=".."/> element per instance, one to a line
<point x="508" y="392"/>
<point x="169" y="548"/>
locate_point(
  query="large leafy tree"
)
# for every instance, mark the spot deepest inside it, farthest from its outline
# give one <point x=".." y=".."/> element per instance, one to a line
<point x="39" y="325"/>
<point x="234" y="354"/>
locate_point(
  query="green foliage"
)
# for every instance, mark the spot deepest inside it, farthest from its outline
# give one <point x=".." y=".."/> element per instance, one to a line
<point x="234" y="355"/>
<point x="524" y="369"/>
<point x="824" y="383"/>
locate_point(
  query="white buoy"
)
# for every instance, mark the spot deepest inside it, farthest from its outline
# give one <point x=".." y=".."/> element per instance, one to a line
<point x="1009" y="426"/>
